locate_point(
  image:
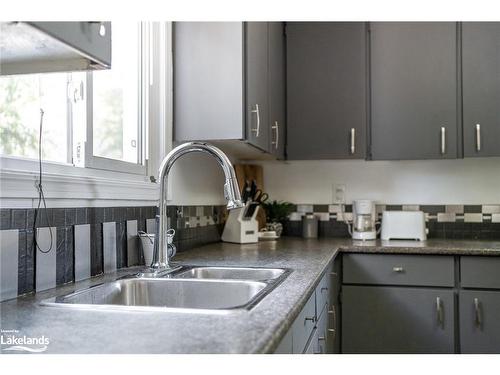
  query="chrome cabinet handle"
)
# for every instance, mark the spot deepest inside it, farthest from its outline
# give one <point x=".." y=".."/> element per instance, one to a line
<point x="257" y="113"/>
<point x="443" y="140"/>
<point x="321" y="338"/>
<point x="478" y="137"/>
<point x="353" y="141"/>
<point x="439" y="312"/>
<point x="477" y="308"/>
<point x="276" y="128"/>
<point x="309" y="319"/>
<point x="398" y="269"/>
<point x="333" y="312"/>
<point x="324" y="289"/>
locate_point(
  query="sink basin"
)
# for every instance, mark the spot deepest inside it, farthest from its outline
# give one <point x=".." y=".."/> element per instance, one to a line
<point x="233" y="273"/>
<point x="141" y="294"/>
<point x="192" y="289"/>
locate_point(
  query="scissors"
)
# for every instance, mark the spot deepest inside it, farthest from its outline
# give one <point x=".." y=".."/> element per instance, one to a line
<point x="260" y="196"/>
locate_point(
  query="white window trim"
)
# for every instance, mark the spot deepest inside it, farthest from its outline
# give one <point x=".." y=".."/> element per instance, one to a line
<point x="66" y="185"/>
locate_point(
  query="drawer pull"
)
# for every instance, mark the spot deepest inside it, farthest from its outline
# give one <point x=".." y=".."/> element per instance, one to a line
<point x="443" y="140"/>
<point x="478" y="137"/>
<point x="309" y="319"/>
<point x="321" y="338"/>
<point x="257" y="113"/>
<point x="324" y="289"/>
<point x="439" y="312"/>
<point x="333" y="312"/>
<point x="477" y="308"/>
<point x="352" y="149"/>
<point x="398" y="269"/>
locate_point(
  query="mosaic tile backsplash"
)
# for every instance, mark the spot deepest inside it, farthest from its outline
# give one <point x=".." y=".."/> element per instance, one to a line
<point x="474" y="222"/>
<point x="89" y="241"/>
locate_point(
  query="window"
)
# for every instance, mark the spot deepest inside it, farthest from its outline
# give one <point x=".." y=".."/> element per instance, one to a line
<point x="21" y="98"/>
<point x="93" y="120"/>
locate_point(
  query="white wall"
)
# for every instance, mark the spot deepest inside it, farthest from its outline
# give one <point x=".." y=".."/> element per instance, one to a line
<point x="464" y="181"/>
<point x="197" y="179"/>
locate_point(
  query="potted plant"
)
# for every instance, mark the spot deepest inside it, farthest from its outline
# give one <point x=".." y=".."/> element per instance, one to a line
<point x="276" y="214"/>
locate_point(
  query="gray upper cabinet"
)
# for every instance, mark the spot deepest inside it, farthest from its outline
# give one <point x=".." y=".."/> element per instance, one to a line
<point x="414" y="90"/>
<point x="326" y="90"/>
<point x="208" y="84"/>
<point x="481" y="88"/>
<point x="277" y="79"/>
<point x="222" y="84"/>
<point x="257" y="106"/>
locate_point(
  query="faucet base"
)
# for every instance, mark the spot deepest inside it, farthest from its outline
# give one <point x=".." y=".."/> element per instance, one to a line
<point x="159" y="272"/>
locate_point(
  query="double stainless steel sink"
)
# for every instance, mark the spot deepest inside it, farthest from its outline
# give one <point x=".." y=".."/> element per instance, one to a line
<point x="195" y="289"/>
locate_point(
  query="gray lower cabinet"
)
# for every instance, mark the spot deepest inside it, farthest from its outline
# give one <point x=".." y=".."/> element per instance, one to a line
<point x="414" y="90"/>
<point x="326" y="90"/>
<point x="399" y="269"/>
<point x="312" y="345"/>
<point x="334" y="310"/>
<point x="481" y="88"/>
<point x="315" y="329"/>
<point x="224" y="88"/>
<point x="480" y="272"/>
<point x="479" y="321"/>
<point x="323" y="332"/>
<point x="397" y="320"/>
<point x="304" y="325"/>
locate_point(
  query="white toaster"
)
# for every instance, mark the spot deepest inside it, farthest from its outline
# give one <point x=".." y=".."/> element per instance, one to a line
<point x="403" y="225"/>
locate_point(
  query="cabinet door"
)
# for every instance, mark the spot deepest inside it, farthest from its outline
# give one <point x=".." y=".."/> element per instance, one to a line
<point x="208" y="81"/>
<point x="277" y="89"/>
<point x="257" y="107"/>
<point x="326" y="90"/>
<point x="304" y="325"/>
<point x="414" y="91"/>
<point x="333" y="336"/>
<point x="322" y="329"/>
<point x="397" y="320"/>
<point x="479" y="323"/>
<point x="481" y="88"/>
<point x="312" y="345"/>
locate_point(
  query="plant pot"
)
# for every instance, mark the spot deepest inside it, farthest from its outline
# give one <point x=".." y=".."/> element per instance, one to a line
<point x="275" y="226"/>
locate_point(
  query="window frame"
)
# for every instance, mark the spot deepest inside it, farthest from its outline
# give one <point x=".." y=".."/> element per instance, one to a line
<point x="93" y="181"/>
<point x="99" y="162"/>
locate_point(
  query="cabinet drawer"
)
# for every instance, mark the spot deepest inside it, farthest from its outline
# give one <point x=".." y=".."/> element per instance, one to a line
<point x="312" y="346"/>
<point x="303" y="325"/>
<point x="324" y="290"/>
<point x="480" y="272"/>
<point x="389" y="269"/>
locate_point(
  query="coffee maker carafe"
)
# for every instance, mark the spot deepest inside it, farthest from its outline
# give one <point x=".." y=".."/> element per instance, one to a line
<point x="363" y="220"/>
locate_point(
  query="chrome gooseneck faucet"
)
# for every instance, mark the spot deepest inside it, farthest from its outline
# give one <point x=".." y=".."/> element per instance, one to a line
<point x="161" y="262"/>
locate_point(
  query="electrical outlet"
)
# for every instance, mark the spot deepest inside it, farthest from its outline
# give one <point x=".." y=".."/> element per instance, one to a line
<point x="339" y="193"/>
